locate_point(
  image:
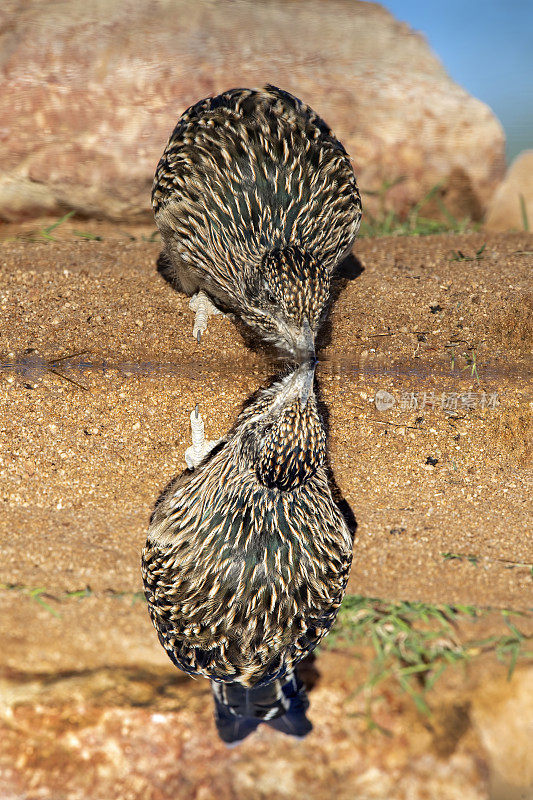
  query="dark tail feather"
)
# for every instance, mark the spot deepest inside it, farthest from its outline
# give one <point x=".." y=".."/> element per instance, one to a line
<point x="281" y="705"/>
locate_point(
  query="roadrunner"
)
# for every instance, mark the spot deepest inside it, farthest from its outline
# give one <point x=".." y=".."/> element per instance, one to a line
<point x="247" y="560"/>
<point x="257" y="203"/>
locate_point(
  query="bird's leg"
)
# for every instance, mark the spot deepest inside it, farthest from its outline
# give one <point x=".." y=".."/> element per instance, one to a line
<point x="200" y="447"/>
<point x="202" y="305"/>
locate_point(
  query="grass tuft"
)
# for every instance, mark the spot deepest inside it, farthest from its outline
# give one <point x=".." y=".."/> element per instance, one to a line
<point x="473" y="559"/>
<point x="412" y="644"/>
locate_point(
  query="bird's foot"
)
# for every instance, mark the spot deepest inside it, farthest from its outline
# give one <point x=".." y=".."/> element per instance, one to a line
<point x="203" y="308"/>
<point x="201" y="446"/>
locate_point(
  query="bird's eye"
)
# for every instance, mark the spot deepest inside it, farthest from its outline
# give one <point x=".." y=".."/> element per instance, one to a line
<point x="270" y="297"/>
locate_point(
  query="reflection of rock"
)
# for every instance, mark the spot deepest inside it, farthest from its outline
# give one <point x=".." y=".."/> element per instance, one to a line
<point x="143" y="734"/>
<point x="503" y="716"/>
<point x="97" y="96"/>
<point x="506" y="209"/>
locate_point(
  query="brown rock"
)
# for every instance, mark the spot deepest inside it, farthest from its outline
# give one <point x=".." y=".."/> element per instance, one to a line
<point x="97" y="96"/>
<point x="513" y="197"/>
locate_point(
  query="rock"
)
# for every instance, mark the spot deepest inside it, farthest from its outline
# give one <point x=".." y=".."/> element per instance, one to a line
<point x="98" y="93"/>
<point x="506" y="209"/>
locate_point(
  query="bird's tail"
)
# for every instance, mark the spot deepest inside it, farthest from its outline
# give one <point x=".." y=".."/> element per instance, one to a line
<point x="280" y="705"/>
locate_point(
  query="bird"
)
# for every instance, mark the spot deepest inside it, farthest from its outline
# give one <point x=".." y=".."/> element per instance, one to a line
<point x="247" y="559"/>
<point x="257" y="204"/>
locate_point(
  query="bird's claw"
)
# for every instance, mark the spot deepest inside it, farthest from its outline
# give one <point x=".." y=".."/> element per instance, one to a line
<point x="195" y="454"/>
<point x="201" y="304"/>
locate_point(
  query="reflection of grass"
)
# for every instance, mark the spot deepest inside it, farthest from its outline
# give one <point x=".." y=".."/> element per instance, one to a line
<point x="414" y="643"/>
<point x="472" y="559"/>
<point x="471" y="364"/>
<point x="93" y="237"/>
<point x="45" y="232"/>
<point x="44" y="597"/>
<point x="458" y="255"/>
<point x="388" y="223"/>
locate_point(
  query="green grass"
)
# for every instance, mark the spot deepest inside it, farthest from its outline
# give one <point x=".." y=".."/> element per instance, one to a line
<point x="46" y="233"/>
<point x="36" y="235"/>
<point x="387" y="222"/>
<point x="471" y="364"/>
<point x="154" y="236"/>
<point x="470" y="358"/>
<point x="461" y="557"/>
<point x="523" y="211"/>
<point x="412" y="644"/>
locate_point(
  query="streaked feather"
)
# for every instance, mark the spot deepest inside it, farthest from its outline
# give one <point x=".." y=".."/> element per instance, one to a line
<point x="247" y="557"/>
<point x="257" y="203"/>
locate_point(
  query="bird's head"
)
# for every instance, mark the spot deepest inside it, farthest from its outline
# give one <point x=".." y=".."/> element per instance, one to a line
<point x="282" y="436"/>
<point x="285" y="299"/>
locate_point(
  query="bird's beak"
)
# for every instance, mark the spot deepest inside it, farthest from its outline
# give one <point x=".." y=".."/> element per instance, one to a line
<point x="304" y="348"/>
<point x="299" y="384"/>
<point x="304" y="378"/>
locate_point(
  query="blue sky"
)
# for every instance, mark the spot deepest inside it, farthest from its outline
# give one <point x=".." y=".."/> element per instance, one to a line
<point x="487" y="47"/>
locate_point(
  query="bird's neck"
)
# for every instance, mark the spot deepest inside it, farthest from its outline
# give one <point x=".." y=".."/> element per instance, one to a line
<point x="294" y="447"/>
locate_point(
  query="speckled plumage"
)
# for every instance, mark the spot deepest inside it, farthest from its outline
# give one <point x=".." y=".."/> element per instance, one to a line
<point x="247" y="557"/>
<point x="257" y="202"/>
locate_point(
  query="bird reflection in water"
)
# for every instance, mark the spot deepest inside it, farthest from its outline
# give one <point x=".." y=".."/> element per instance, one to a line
<point x="247" y="560"/>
